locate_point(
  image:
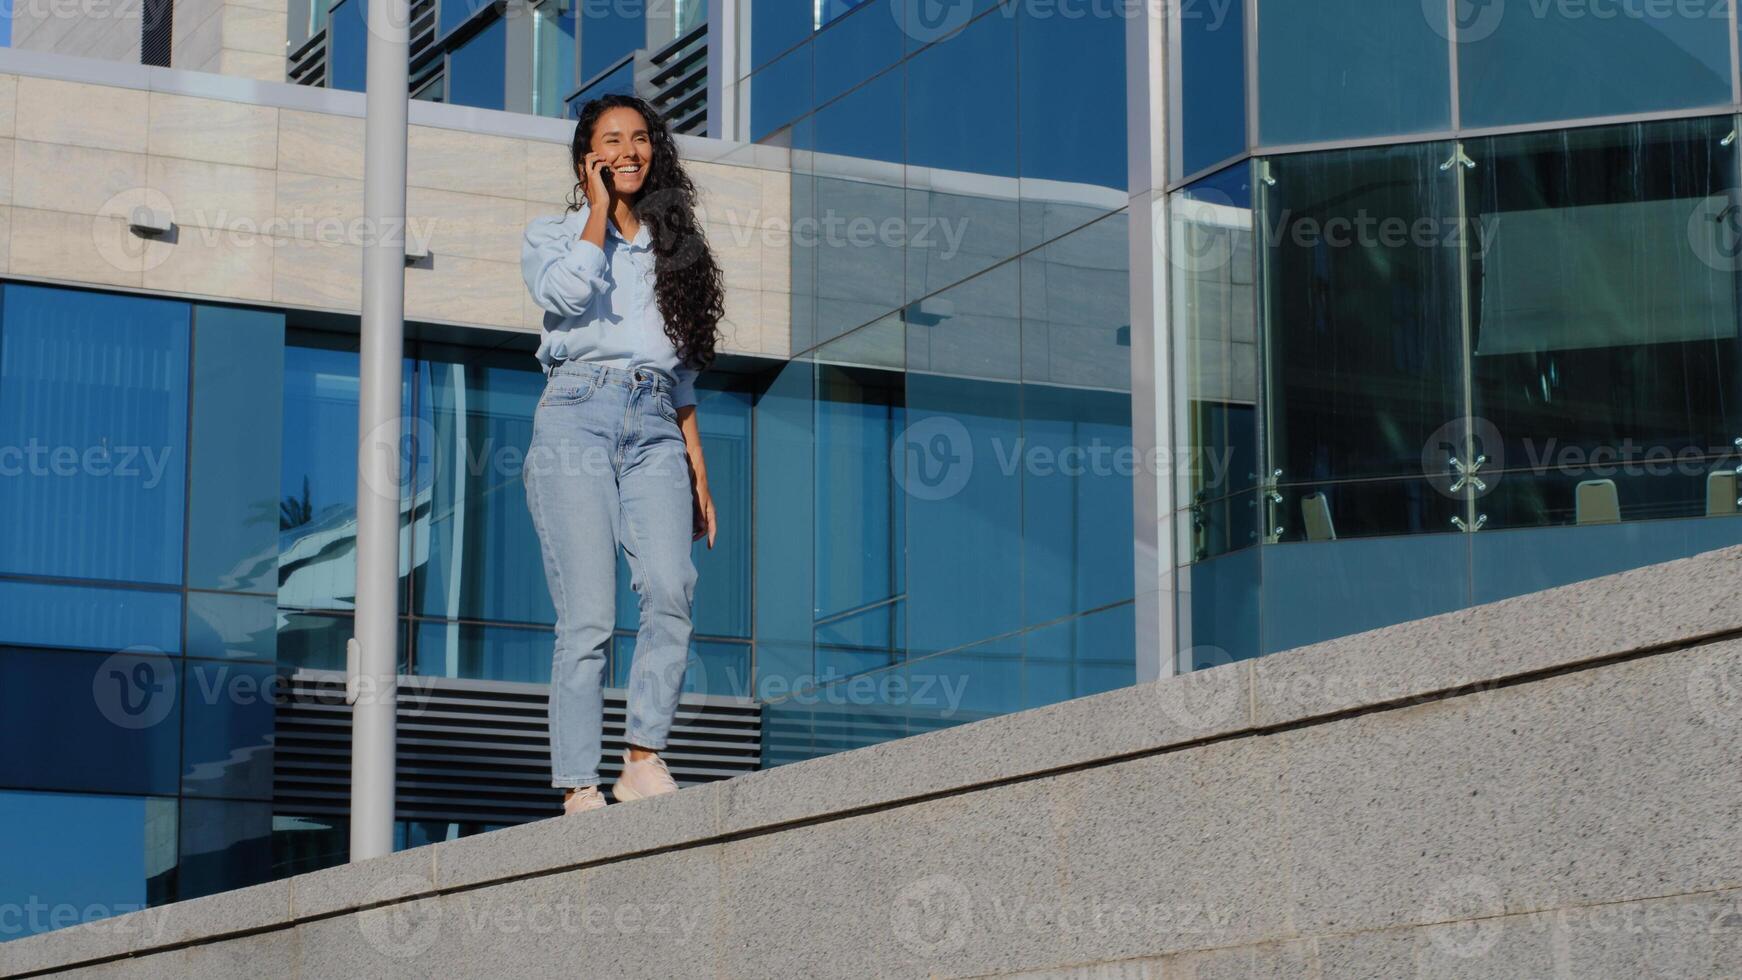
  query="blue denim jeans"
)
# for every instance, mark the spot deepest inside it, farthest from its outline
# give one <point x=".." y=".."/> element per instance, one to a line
<point x="607" y="467"/>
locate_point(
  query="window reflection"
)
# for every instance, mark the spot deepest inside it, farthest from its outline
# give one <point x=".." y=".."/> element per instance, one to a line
<point x="553" y="52"/>
<point x="477" y="68"/>
<point x="962" y="155"/>
<point x="1567" y="61"/>
<point x="318" y="512"/>
<point x="475" y="552"/>
<point x="94" y="404"/>
<point x="1581" y="285"/>
<point x="1071" y="90"/>
<point x="86" y="721"/>
<point x="1215" y="362"/>
<point x="1338" y="69"/>
<point x="1361" y="312"/>
<point x="1604" y="347"/>
<point x="89" y="857"/>
<point x="1211" y="81"/>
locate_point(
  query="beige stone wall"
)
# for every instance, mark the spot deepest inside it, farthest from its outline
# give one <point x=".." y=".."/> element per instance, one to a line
<point x="267" y="203"/>
<point x="107" y="30"/>
<point x="245" y="38"/>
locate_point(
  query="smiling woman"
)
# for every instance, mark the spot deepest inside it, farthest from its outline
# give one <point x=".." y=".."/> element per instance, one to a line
<point x="632" y="299"/>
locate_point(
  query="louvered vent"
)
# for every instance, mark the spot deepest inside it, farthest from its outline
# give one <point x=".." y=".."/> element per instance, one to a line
<point x="308" y="64"/>
<point x="678" y="83"/>
<point x="479" y="751"/>
<point x="156" y="19"/>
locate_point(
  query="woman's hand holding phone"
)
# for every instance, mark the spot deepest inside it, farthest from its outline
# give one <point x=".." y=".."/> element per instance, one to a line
<point x="599" y="186"/>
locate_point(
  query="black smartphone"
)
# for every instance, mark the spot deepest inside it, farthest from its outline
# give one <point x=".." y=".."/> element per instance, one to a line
<point x="608" y="177"/>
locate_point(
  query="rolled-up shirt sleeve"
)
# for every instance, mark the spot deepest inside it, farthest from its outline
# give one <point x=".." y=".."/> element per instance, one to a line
<point x="563" y="271"/>
<point x="684" y="392"/>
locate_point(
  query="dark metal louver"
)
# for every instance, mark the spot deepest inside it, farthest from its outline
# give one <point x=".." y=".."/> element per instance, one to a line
<point x="156" y="18"/>
<point x="479" y="751"/>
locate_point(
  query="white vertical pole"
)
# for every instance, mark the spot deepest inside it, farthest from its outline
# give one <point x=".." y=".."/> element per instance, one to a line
<point x="724" y="24"/>
<point x="1148" y="118"/>
<point x="374" y="657"/>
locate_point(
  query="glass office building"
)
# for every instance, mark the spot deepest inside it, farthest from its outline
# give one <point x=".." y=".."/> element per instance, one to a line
<point x="924" y="515"/>
<point x="1454" y="307"/>
<point x="1451" y="315"/>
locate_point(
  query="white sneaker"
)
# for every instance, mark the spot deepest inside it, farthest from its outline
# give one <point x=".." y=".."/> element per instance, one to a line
<point x="639" y="780"/>
<point x="584" y="799"/>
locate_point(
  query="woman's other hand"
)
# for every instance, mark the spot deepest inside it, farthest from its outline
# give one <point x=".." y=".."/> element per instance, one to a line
<point x="704" y="521"/>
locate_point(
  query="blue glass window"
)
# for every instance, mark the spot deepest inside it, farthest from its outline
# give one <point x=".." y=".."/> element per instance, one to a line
<point x="961" y="125"/>
<point x="1522" y="63"/>
<point x="722" y="600"/>
<point x="225" y="844"/>
<point x="1080" y="656"/>
<point x="1212" y="85"/>
<point x="1338" y="69"/>
<point x="237" y="405"/>
<point x="317" y="517"/>
<point x="785" y="508"/>
<point x="453" y="13"/>
<point x="347" y="42"/>
<point x="1072" y="95"/>
<point x="228" y="729"/>
<point x="498" y="653"/>
<point x="858" y="47"/>
<point x="84" y="721"/>
<point x="963" y="509"/>
<point x="620" y="81"/>
<point x="960" y="115"/>
<point x="482" y="559"/>
<point x="779" y="93"/>
<point x="775" y="27"/>
<point x="857" y="556"/>
<point x="37" y="614"/>
<point x="75" y="858"/>
<point x="93" y="415"/>
<point x="609" y="32"/>
<point x="857" y="263"/>
<point x="232" y="627"/>
<point x="553" y="44"/>
<point x="1076" y="500"/>
<point x="477" y="68"/>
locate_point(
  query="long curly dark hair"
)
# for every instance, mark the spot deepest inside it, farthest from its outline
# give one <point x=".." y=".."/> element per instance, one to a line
<point x="687" y="280"/>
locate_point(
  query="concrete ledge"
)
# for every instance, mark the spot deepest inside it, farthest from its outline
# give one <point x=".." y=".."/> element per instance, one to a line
<point x="1325" y="810"/>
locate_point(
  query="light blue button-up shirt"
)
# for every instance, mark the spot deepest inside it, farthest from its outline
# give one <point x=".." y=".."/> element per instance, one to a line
<point x="599" y="304"/>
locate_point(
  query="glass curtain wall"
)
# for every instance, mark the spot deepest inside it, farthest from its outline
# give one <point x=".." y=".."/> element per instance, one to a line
<point x="940" y="484"/>
<point x="181" y="536"/>
<point x="139" y="493"/>
<point x="1483" y="368"/>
